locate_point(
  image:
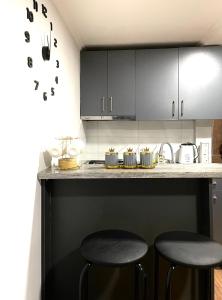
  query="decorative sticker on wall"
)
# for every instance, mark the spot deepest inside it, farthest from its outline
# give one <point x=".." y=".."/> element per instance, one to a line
<point x="40" y="33"/>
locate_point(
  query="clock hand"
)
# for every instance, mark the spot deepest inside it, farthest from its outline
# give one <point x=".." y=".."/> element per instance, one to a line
<point x="46" y="49"/>
<point x="50" y="35"/>
<point x="49" y="46"/>
<point x="50" y="39"/>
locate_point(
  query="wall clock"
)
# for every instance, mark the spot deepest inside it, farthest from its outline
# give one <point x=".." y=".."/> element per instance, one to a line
<point x="44" y="50"/>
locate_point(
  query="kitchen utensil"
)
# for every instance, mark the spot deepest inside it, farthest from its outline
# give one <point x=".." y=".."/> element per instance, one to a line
<point x="68" y="163"/>
<point x="111" y="159"/>
<point x="129" y="159"/>
<point x="146" y="158"/>
<point x="188" y="153"/>
<point x="68" y="159"/>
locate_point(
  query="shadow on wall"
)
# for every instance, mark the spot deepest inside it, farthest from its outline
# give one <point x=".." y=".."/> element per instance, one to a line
<point x="34" y="265"/>
<point x="33" y="288"/>
<point x="47" y="158"/>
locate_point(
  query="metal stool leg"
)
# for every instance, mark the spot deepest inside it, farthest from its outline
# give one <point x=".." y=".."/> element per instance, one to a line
<point x="145" y="286"/>
<point x="140" y="283"/>
<point x="156" y="276"/>
<point x="137" y="282"/>
<point x="83" y="282"/>
<point x="168" y="282"/>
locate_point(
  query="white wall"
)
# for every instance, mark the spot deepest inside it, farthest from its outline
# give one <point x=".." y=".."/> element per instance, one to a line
<point x="101" y="135"/>
<point x="27" y="125"/>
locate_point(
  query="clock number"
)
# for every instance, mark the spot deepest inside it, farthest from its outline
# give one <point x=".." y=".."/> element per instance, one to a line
<point x="44" y="11"/>
<point x="35" y="5"/>
<point x="30" y="16"/>
<point x="51" y="27"/>
<point x="36" y="84"/>
<point x="56" y="80"/>
<point x="55" y="43"/>
<point x="30" y="62"/>
<point x="52" y="91"/>
<point x="27" y="36"/>
<point x="44" y="96"/>
<point x="57" y="63"/>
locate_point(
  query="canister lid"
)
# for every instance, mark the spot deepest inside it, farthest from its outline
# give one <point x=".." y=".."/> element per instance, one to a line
<point x="145" y="150"/>
<point x="129" y="152"/>
<point x="111" y="151"/>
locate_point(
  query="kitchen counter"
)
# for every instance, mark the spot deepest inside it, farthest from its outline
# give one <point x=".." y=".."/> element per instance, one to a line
<point x="71" y="209"/>
<point x="161" y="171"/>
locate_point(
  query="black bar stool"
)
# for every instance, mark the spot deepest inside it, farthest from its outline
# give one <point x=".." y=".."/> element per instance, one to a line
<point x="113" y="248"/>
<point x="182" y="248"/>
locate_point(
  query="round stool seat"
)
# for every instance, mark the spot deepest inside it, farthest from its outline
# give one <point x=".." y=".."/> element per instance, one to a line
<point x="113" y="247"/>
<point x="190" y="249"/>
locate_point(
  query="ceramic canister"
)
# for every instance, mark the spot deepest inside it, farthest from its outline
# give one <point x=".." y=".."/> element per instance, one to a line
<point x="111" y="159"/>
<point x="146" y="158"/>
<point x="129" y="159"/>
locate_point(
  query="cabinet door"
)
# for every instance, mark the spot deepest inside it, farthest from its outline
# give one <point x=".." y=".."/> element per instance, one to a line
<point x="157" y="84"/>
<point x="121" y="83"/>
<point x="217" y="210"/>
<point x="200" y="88"/>
<point x="93" y="82"/>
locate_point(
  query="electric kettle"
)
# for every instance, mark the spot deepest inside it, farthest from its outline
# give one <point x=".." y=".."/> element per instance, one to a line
<point x="188" y="153"/>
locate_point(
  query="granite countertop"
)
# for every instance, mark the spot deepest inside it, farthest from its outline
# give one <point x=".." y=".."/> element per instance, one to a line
<point x="161" y="171"/>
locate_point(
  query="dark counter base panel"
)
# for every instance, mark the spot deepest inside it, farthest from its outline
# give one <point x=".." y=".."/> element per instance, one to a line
<point x="72" y="209"/>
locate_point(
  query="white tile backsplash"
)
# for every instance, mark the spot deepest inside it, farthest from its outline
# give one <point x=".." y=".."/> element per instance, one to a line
<point x="101" y="135"/>
<point x="118" y="129"/>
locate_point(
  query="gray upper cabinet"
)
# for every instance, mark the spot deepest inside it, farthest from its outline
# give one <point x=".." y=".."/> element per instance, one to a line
<point x="108" y="83"/>
<point x="157" y="84"/>
<point x="93" y="82"/>
<point x="153" y="84"/>
<point x="200" y="83"/>
<point x="121" y="83"/>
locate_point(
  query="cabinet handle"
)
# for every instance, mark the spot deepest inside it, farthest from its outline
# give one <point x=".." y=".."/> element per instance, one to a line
<point x="214" y="199"/>
<point x="103" y="104"/>
<point x="111" y="103"/>
<point x="173" y="109"/>
<point x="182" y="109"/>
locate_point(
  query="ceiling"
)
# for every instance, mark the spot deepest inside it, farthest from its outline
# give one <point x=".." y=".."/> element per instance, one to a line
<point x="142" y="22"/>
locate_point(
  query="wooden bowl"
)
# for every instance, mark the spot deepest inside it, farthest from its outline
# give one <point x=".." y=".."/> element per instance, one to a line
<point x="68" y="164"/>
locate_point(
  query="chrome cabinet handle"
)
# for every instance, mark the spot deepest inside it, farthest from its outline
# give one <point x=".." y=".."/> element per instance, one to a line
<point x="111" y="103"/>
<point x="182" y="108"/>
<point x="173" y="108"/>
<point x="103" y="104"/>
<point x="214" y="199"/>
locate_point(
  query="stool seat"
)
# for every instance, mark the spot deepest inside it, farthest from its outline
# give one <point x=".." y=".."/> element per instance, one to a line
<point x="188" y="248"/>
<point x="113" y="247"/>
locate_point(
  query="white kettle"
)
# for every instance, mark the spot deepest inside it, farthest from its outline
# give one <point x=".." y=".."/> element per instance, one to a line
<point x="188" y="153"/>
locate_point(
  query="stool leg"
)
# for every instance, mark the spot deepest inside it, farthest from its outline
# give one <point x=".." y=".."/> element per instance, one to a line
<point x="83" y="282"/>
<point x="145" y="286"/>
<point x="156" y="276"/>
<point x="140" y="283"/>
<point x="168" y="282"/>
<point x="137" y="282"/>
